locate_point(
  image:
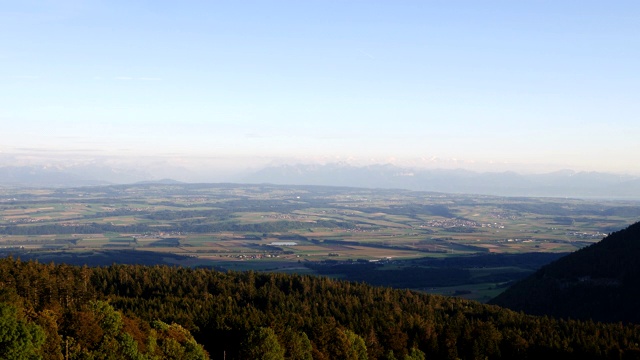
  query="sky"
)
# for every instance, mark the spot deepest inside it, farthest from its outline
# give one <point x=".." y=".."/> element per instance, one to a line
<point x="537" y="85"/>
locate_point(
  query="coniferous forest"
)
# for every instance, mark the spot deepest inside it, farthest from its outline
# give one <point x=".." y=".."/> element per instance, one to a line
<point x="600" y="282"/>
<point x="52" y="311"/>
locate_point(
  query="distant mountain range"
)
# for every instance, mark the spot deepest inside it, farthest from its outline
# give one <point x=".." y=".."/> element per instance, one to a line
<point x="565" y="183"/>
<point x="599" y="282"/>
<point x="58" y="176"/>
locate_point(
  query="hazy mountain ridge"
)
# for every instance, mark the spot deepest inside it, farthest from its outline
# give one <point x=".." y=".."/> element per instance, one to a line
<point x="564" y="183"/>
<point x="600" y="282"/>
<point x="559" y="183"/>
<point x="42" y="176"/>
<point x="68" y="176"/>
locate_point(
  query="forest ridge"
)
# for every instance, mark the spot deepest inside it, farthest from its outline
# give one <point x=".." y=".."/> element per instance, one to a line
<point x="160" y="312"/>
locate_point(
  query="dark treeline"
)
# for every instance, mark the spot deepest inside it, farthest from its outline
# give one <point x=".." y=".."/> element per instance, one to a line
<point x="411" y="210"/>
<point x="141" y="312"/>
<point x="187" y="227"/>
<point x="406" y="277"/>
<point x="601" y="281"/>
<point x="369" y="244"/>
<point x="531" y="261"/>
<point x="434" y="272"/>
<point x="579" y="210"/>
<point x="97" y="257"/>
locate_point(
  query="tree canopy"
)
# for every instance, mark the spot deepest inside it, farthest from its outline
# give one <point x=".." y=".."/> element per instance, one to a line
<point x="161" y="312"/>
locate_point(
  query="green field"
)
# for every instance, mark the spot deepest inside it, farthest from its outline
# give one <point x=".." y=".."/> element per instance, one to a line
<point x="290" y="228"/>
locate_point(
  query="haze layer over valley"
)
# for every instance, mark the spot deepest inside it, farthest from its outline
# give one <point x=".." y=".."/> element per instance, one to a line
<point x="421" y="175"/>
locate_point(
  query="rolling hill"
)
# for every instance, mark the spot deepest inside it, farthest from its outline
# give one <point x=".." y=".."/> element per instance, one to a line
<point x="600" y="282"/>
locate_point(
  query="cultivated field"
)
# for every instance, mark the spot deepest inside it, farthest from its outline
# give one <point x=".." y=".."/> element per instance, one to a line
<point x="279" y="228"/>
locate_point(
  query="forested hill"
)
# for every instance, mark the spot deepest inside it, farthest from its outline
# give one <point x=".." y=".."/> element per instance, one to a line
<point x="137" y="312"/>
<point x="600" y="282"/>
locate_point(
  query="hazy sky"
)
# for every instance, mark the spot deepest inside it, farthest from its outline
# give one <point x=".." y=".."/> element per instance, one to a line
<point x="521" y="82"/>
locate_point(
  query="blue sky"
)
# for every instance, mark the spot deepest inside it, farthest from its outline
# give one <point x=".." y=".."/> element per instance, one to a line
<point x="538" y="84"/>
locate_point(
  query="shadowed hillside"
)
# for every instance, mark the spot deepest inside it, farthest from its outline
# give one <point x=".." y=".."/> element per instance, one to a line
<point x="600" y="282"/>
